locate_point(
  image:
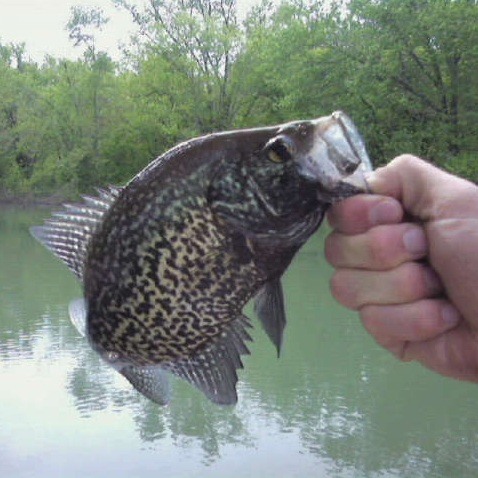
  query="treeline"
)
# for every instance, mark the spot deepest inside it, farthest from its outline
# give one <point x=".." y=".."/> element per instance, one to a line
<point x="405" y="70"/>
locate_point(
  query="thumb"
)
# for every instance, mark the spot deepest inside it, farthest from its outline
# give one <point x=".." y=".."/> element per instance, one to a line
<point x="425" y="191"/>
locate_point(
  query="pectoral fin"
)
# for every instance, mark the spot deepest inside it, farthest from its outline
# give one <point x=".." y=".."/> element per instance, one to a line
<point x="269" y="307"/>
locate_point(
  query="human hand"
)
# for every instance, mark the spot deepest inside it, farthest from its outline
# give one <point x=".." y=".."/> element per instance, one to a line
<point x="407" y="260"/>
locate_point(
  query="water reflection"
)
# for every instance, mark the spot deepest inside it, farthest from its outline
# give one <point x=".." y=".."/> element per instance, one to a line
<point x="334" y="404"/>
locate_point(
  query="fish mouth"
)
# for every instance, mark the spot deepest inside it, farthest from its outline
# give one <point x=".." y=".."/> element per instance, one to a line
<point x="352" y="185"/>
<point x="337" y="160"/>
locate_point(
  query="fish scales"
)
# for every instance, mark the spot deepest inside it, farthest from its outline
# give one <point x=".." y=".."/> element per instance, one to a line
<point x="175" y="288"/>
<point x="169" y="261"/>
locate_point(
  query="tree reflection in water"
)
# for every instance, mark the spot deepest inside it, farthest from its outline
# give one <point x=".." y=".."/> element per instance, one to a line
<point x="344" y="401"/>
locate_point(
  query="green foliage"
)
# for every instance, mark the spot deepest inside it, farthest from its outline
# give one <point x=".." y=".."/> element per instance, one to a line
<point x="411" y="61"/>
<point x="81" y="20"/>
<point x="405" y="70"/>
<point x="464" y="165"/>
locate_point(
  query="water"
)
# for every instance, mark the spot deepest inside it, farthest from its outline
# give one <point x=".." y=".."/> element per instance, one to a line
<point x="333" y="405"/>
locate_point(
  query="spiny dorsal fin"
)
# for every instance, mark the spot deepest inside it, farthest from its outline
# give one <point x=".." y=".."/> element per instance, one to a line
<point x="67" y="233"/>
<point x="213" y="370"/>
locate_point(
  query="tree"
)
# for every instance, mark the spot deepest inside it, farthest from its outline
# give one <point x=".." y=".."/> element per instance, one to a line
<point x="404" y="70"/>
<point x="83" y="24"/>
<point x="200" y="40"/>
<point x="18" y="79"/>
<point x="411" y="62"/>
<point x="290" y="63"/>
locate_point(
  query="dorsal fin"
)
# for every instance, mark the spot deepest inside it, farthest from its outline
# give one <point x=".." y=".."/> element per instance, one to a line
<point x="67" y="233"/>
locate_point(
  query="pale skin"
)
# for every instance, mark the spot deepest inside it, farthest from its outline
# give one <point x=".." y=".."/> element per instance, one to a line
<point x="406" y="258"/>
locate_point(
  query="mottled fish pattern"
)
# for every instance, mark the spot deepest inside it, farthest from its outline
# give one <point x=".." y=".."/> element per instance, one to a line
<point x="169" y="261"/>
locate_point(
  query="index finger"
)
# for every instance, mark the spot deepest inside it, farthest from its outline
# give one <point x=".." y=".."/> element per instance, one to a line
<point x="358" y="214"/>
<point x="425" y="191"/>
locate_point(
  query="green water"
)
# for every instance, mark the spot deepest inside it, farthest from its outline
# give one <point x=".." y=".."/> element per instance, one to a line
<point x="334" y="404"/>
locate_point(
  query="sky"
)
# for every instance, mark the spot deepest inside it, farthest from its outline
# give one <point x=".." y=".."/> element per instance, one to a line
<point x="40" y="24"/>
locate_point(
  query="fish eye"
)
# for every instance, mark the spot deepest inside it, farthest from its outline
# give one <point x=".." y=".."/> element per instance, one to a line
<point x="280" y="149"/>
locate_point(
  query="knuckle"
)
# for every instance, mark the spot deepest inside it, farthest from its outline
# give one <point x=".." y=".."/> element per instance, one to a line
<point x="338" y="214"/>
<point x="379" y="249"/>
<point x="331" y="216"/>
<point x="410" y="280"/>
<point x="421" y="327"/>
<point x="404" y="160"/>
<point x="373" y="320"/>
<point x="336" y="286"/>
<point x="427" y="322"/>
<point x="342" y="290"/>
<point x="369" y="319"/>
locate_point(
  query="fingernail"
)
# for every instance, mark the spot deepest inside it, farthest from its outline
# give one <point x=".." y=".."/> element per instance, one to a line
<point x="385" y="212"/>
<point x="450" y="315"/>
<point x="415" y="241"/>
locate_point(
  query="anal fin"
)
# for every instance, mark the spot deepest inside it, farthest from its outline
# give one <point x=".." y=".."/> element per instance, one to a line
<point x="269" y="307"/>
<point x="213" y="370"/>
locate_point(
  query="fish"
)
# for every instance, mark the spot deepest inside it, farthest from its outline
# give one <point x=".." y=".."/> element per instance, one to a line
<point x="169" y="260"/>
